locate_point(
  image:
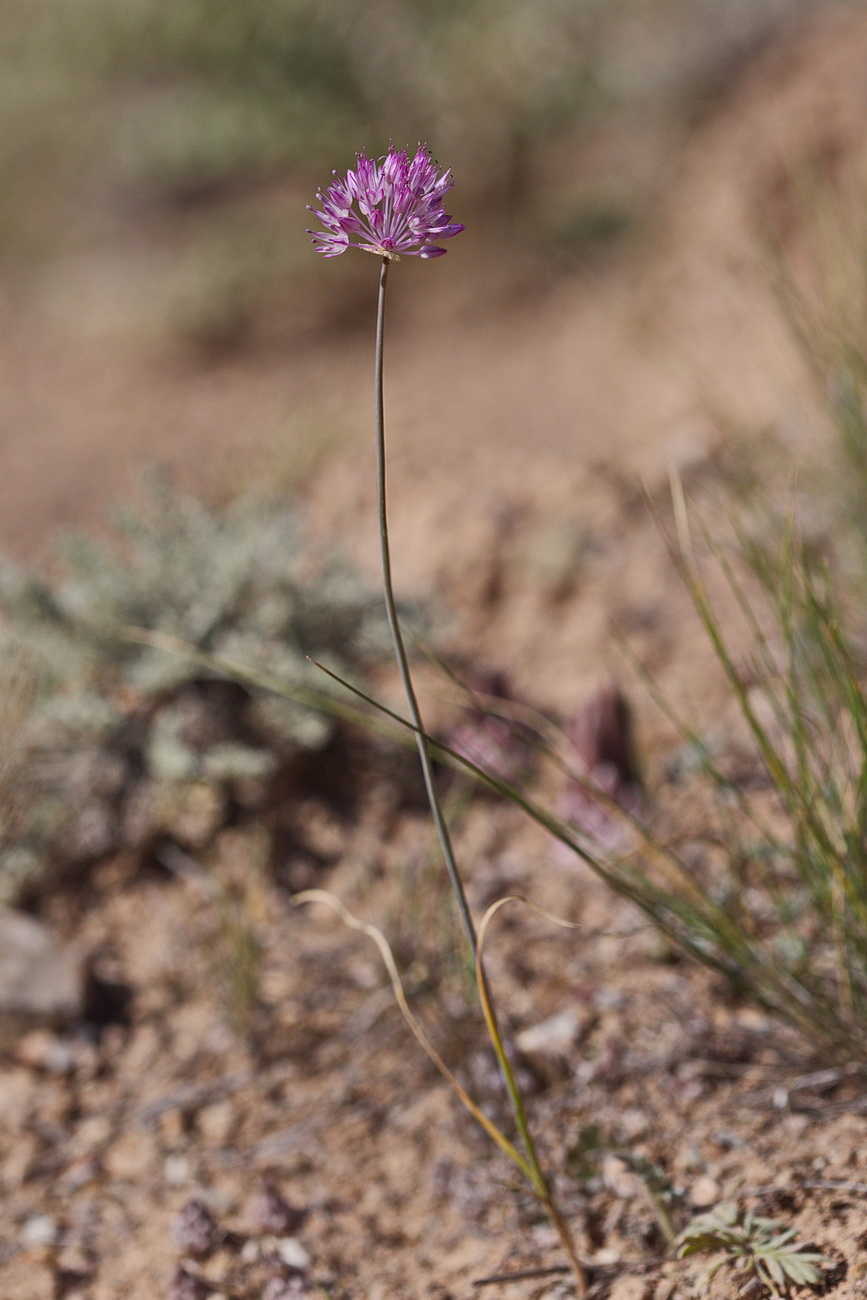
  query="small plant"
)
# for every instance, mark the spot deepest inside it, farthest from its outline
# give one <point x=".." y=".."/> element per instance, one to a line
<point x="235" y="883"/>
<point x="662" y="1196"/>
<point x="755" y="1247"/>
<point x="788" y="915"/>
<point x="112" y="743"/>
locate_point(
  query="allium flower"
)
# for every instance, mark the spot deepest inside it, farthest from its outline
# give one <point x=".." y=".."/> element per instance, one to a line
<point x="392" y="206"/>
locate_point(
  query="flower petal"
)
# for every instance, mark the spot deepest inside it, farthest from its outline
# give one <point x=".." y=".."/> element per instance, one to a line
<point x="396" y="201"/>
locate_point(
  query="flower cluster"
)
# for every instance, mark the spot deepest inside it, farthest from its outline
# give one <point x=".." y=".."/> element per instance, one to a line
<point x="393" y="206"/>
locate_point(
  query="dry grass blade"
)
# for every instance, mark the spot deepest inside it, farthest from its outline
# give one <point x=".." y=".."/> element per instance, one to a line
<point x="528" y="1164"/>
<point x="322" y="896"/>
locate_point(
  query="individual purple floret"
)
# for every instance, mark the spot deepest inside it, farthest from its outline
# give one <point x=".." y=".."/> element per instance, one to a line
<point x="494" y="742"/>
<point x="391" y="206"/>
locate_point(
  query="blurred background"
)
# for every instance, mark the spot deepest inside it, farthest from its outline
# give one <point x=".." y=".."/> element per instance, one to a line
<point x="156" y="158"/>
<point x="158" y="295"/>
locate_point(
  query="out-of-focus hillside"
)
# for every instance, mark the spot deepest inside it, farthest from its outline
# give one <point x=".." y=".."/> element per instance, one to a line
<point x="156" y="156"/>
<point x="545" y="361"/>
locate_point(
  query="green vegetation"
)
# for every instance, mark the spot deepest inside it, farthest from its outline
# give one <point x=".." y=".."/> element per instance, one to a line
<point x="110" y="743"/>
<point x="190" y="135"/>
<point x="764" y="1249"/>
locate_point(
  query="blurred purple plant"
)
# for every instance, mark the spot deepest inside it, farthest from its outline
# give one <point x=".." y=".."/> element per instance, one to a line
<point x="493" y="742"/>
<point x="195" y="1230"/>
<point x="188" y="1286"/>
<point x="272" y="1214"/>
<point x="394" y="205"/>
<point x="600" y="732"/>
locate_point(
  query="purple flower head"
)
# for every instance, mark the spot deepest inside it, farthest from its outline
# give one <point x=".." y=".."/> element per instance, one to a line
<point x="391" y="206"/>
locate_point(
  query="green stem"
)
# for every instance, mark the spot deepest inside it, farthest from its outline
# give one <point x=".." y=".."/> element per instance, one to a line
<point x="536" y="1174"/>
<point x="397" y="637"/>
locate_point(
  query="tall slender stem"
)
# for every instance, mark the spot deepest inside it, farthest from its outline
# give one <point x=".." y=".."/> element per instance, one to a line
<point x="397" y="637"/>
<point x="536" y="1174"/>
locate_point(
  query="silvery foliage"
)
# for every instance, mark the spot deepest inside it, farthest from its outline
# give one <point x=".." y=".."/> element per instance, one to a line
<point x="763" y="1248"/>
<point x="109" y="742"/>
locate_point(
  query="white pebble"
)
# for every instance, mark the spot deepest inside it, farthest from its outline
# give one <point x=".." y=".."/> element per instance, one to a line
<point x="41" y="1230"/>
<point x="293" y="1253"/>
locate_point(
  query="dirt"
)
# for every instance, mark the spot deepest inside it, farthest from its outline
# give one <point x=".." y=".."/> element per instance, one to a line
<point x="524" y="416"/>
<point x="401" y="1195"/>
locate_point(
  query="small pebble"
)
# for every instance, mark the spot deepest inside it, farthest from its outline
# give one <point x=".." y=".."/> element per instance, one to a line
<point x="273" y="1215"/>
<point x="607" y="1257"/>
<point x="288" y="1288"/>
<point x="215" y="1122"/>
<point x="293" y="1253"/>
<point x="42" y="1050"/>
<point x="177" y="1170"/>
<point x="544" y="1236"/>
<point x="40" y="1230"/>
<point x="555" y="1036"/>
<point x="618" y="1178"/>
<point x="634" y="1124"/>
<point x="75" y="1261"/>
<point x="692" y="1160"/>
<point x="195" y="1230"/>
<point x="704" y="1193"/>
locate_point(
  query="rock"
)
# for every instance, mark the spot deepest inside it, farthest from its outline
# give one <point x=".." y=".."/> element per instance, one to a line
<point x="75" y="1264"/>
<point x="544" y="1237"/>
<point x="87" y="1169"/>
<point x="195" y="1230"/>
<point x="600" y="731"/>
<point x="618" y="1178"/>
<point x="634" y="1124"/>
<point x="193" y="812"/>
<point x="286" y="1288"/>
<point x="556" y="1036"/>
<point x="42" y="980"/>
<point x="293" y="1253"/>
<point x="173" y="1128"/>
<point x="704" y="1193"/>
<point x="271" y="1214"/>
<point x="16" y="1099"/>
<point x="607" y="1257"/>
<point x="91" y="1135"/>
<point x="130" y="1157"/>
<point x="177" y="1170"/>
<point x="40" y="1230"/>
<point x="40" y="1049"/>
<point x="548" y="1048"/>
<point x="250" y="1251"/>
<point x="215" y="1122"/>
